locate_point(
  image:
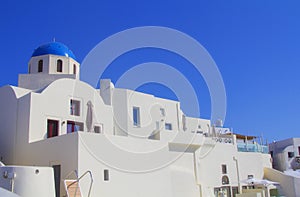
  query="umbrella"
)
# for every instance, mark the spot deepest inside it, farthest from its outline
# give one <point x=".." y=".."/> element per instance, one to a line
<point x="89" y="117"/>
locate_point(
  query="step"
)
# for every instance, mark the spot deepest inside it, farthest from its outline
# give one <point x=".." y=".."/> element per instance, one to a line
<point x="73" y="188"/>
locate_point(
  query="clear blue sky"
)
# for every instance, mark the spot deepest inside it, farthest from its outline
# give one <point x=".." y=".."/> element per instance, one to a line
<point x="255" y="43"/>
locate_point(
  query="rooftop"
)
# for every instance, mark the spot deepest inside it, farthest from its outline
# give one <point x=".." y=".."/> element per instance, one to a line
<point x="54" y="48"/>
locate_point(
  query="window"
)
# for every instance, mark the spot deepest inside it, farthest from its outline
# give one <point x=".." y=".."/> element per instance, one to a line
<point x="106" y="175"/>
<point x="98" y="129"/>
<point x="271" y="153"/>
<point x="136" y="116"/>
<point x="162" y="112"/>
<point x="225" y="180"/>
<point x="52" y="128"/>
<point x="216" y="191"/>
<point x="74" y="107"/>
<point x="40" y="66"/>
<point x="291" y="154"/>
<point x="224" y="169"/>
<point x="73" y="126"/>
<point x="59" y="66"/>
<point x="274" y="192"/>
<point x="250" y="176"/>
<point x="298" y="150"/>
<point x="235" y="191"/>
<point x="74" y="69"/>
<point x="29" y="68"/>
<point x="168" y="126"/>
<point x="199" y="130"/>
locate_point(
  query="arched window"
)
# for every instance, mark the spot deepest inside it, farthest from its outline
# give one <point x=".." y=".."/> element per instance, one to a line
<point x="40" y="66"/>
<point x="59" y="65"/>
<point x="225" y="180"/>
<point x="74" y="69"/>
<point x="29" y="68"/>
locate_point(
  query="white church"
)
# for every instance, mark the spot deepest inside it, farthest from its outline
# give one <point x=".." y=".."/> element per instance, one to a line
<point x="62" y="137"/>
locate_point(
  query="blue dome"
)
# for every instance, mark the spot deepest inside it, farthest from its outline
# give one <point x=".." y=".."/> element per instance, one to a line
<point x="54" y="48"/>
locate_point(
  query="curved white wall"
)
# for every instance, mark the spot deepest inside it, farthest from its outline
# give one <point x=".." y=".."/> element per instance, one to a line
<point x="28" y="181"/>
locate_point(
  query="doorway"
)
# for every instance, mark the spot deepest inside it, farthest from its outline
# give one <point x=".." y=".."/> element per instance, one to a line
<point x="56" y="169"/>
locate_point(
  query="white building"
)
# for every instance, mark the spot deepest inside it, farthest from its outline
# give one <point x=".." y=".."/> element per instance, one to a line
<point x="286" y="154"/>
<point x="132" y="144"/>
<point x="286" y="158"/>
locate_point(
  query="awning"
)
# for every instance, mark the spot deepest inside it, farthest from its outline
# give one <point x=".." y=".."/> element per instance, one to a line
<point x="244" y="137"/>
<point x="254" y="181"/>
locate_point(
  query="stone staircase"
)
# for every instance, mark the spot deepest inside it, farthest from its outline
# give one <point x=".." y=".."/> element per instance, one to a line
<point x="72" y="188"/>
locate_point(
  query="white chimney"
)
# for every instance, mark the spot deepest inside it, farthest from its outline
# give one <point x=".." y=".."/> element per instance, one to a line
<point x="106" y="90"/>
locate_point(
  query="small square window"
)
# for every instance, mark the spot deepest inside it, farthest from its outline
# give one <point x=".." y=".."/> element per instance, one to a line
<point x="224" y="169"/>
<point x="98" y="129"/>
<point x="74" y="107"/>
<point x="74" y="126"/>
<point x="291" y="154"/>
<point x="168" y="126"/>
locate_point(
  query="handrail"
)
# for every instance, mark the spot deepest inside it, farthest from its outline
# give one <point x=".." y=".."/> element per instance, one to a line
<point x="78" y="179"/>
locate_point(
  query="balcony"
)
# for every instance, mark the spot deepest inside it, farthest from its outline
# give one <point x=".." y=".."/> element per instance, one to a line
<point x="257" y="148"/>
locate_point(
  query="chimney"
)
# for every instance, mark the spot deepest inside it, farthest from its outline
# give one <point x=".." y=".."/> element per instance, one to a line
<point x="106" y="90"/>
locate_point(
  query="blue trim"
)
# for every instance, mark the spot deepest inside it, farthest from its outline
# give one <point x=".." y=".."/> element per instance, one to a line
<point x="54" y="48"/>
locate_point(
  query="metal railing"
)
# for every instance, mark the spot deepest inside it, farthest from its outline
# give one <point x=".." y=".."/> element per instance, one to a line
<point x="78" y="179"/>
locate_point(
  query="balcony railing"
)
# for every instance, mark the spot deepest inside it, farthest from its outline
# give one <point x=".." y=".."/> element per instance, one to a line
<point x="243" y="147"/>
